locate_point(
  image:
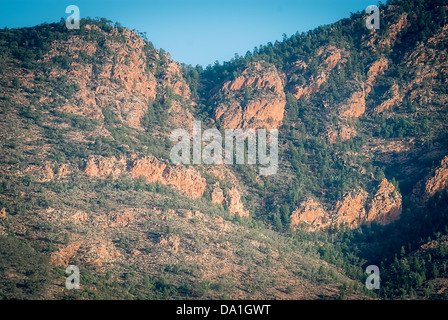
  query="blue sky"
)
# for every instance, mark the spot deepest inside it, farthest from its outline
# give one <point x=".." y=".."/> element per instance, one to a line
<point x="194" y="31"/>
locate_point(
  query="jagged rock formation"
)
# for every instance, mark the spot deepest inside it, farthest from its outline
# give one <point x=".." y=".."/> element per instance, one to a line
<point x="3" y="213"/>
<point x="217" y="195"/>
<point x="350" y="106"/>
<point x="384" y="208"/>
<point x="439" y="181"/>
<point x="123" y="82"/>
<point x="233" y="200"/>
<point x="350" y="210"/>
<point x="310" y="215"/>
<point x="256" y="99"/>
<point x="386" y="204"/>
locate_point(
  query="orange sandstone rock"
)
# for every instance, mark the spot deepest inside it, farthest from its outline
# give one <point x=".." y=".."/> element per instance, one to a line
<point x="386" y="204"/>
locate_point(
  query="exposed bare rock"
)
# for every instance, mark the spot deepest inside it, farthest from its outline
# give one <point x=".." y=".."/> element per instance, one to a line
<point x="63" y="170"/>
<point x="231" y="197"/>
<point x="330" y="58"/>
<point x="100" y="253"/>
<point x="62" y="256"/>
<point x="377" y="67"/>
<point x="355" y="106"/>
<point x="148" y="168"/>
<point x="256" y="99"/>
<point x="345" y="132"/>
<point x="233" y="200"/>
<point x="310" y="216"/>
<point x="122" y="219"/>
<point x="80" y="216"/>
<point x="187" y="180"/>
<point x="174" y="79"/>
<point x="350" y="211"/>
<point x="50" y="171"/>
<point x="439" y="180"/>
<point x="386" y="204"/>
<point x="122" y="82"/>
<point x="395" y="97"/>
<point x="3" y="213"/>
<point x="390" y="37"/>
<point x="217" y="194"/>
<point x="392" y="32"/>
<point x="105" y="167"/>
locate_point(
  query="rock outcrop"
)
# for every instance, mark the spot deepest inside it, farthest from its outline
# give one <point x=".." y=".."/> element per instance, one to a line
<point x="3" y="213"/>
<point x="384" y="208"/>
<point x="394" y="97"/>
<point x="330" y="57"/>
<point x="217" y="194"/>
<point x="231" y="196"/>
<point x="186" y="180"/>
<point x="355" y="106"/>
<point x="439" y="179"/>
<point x="255" y="99"/>
<point x="63" y="255"/>
<point x="123" y="82"/>
<point x="386" y="204"/>
<point x="105" y="167"/>
<point x="233" y="200"/>
<point x="310" y="216"/>
<point x="351" y="210"/>
<point x="170" y="241"/>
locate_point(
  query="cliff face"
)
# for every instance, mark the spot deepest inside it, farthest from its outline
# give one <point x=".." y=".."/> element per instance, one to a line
<point x="351" y="211"/>
<point x="117" y="73"/>
<point x="310" y="216"/>
<point x="435" y="181"/>
<point x="256" y="99"/>
<point x="439" y="180"/>
<point x="386" y="204"/>
<point x="351" y="105"/>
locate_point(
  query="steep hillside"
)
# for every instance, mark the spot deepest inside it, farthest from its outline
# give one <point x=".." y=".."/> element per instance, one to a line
<point x="86" y="176"/>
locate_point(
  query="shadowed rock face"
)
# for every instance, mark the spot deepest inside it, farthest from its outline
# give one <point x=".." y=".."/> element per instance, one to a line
<point x="439" y="181"/>
<point x="386" y="204"/>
